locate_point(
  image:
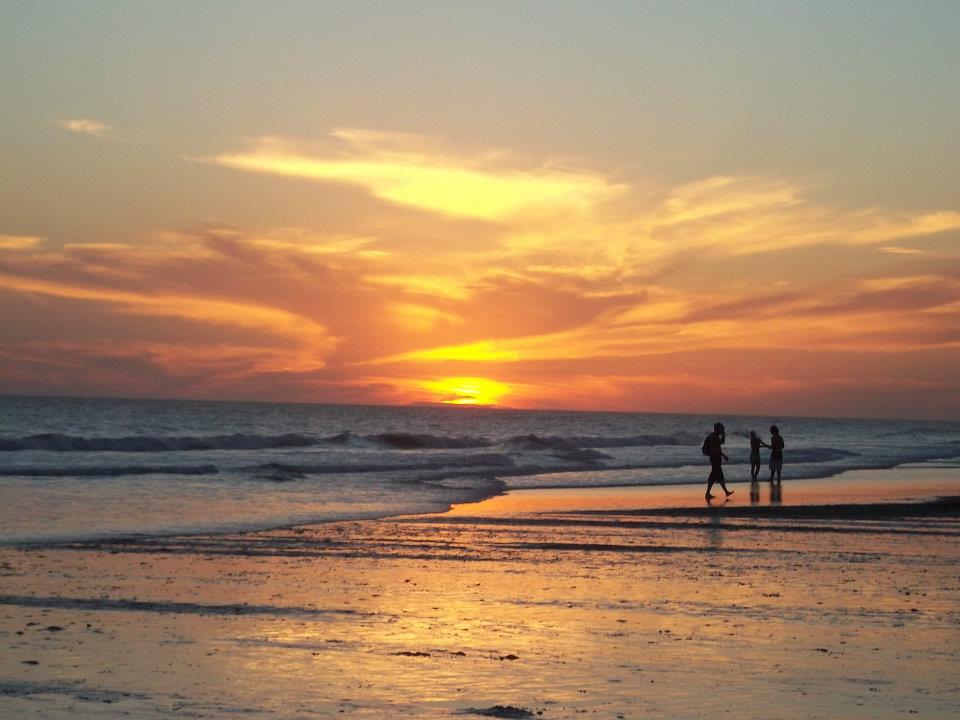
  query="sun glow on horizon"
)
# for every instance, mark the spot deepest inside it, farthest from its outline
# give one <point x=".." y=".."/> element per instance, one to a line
<point x="467" y="390"/>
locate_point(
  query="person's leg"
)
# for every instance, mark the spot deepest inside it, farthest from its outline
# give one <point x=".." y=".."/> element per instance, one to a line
<point x="720" y="479"/>
<point x="711" y="480"/>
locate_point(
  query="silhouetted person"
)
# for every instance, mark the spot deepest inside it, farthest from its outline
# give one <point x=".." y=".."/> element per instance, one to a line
<point x="755" y="444"/>
<point x="713" y="448"/>
<point x="776" y="452"/>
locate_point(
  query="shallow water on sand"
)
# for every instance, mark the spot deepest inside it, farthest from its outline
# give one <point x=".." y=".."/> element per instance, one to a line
<point x="841" y="611"/>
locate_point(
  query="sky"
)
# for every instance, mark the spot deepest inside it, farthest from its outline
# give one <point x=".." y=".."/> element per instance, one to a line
<point x="718" y="207"/>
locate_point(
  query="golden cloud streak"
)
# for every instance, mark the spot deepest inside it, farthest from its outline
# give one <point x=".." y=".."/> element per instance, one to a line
<point x="19" y="242"/>
<point x="909" y="226"/>
<point x="437" y="286"/>
<point x="486" y="351"/>
<point x="422" y="317"/>
<point x="458" y="187"/>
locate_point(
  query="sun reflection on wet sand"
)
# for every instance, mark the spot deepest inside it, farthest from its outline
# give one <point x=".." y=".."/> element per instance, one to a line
<point x="657" y="612"/>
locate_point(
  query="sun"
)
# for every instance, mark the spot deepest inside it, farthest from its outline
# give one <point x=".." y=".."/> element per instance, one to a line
<point x="467" y="390"/>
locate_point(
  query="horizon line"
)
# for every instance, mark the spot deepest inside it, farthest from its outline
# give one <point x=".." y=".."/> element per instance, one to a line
<point x="468" y="407"/>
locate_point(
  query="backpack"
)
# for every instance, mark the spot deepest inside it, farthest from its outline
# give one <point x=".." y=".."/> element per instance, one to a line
<point x="707" y="445"/>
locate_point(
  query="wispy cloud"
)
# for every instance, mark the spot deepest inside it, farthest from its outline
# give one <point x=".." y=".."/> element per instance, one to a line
<point x="898" y="250"/>
<point x="19" y="242"/>
<point x="571" y="223"/>
<point x="244" y="315"/>
<point x="405" y="170"/>
<point x="85" y="126"/>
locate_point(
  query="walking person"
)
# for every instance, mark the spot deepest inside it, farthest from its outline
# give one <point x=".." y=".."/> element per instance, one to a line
<point x="712" y="447"/>
<point x="755" y="444"/>
<point x="776" y="452"/>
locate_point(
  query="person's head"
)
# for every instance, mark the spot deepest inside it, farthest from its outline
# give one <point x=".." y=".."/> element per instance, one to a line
<point x="753" y="435"/>
<point x="718" y="427"/>
<point x="774" y="430"/>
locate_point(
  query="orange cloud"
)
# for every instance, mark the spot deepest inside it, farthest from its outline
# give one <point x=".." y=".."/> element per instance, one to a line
<point x="879" y="314"/>
<point x="557" y="287"/>
<point x="191" y="308"/>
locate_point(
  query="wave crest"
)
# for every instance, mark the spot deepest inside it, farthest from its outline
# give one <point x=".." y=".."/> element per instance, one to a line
<point x="414" y="441"/>
<point x="530" y="442"/>
<point x="146" y="443"/>
<point x="109" y="471"/>
<point x="817" y="454"/>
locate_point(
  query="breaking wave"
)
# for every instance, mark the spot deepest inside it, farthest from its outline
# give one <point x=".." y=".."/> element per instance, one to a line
<point x="529" y="442"/>
<point x="108" y="471"/>
<point x="57" y="442"/>
<point x="144" y="443"/>
<point x="819" y="455"/>
<point x="412" y="441"/>
<point x="300" y="470"/>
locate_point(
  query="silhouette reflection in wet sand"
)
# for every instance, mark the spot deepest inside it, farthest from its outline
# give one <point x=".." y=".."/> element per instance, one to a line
<point x="776" y="494"/>
<point x="715" y="531"/>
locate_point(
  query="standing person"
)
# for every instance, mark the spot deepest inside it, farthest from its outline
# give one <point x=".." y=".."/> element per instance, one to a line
<point x="712" y="446"/>
<point x="776" y="452"/>
<point x="755" y="444"/>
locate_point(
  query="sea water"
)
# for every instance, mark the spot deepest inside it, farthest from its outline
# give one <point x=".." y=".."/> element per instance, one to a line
<point x="82" y="468"/>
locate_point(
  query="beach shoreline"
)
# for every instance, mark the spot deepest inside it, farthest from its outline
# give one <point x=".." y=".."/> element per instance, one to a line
<point x="907" y="483"/>
<point x="838" y="600"/>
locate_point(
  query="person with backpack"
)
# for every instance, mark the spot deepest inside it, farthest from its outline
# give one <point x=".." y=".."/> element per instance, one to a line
<point x="712" y="448"/>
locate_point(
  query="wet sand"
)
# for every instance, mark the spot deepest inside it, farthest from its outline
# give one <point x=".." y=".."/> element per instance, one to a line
<point x="840" y="599"/>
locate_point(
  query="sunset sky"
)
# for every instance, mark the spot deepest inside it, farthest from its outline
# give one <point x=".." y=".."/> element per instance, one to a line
<point x="725" y="207"/>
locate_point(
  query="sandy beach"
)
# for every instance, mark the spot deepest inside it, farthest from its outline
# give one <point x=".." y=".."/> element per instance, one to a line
<point x="839" y="599"/>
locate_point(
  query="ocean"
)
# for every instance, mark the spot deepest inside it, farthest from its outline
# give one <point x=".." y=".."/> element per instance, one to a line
<point x="75" y="468"/>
